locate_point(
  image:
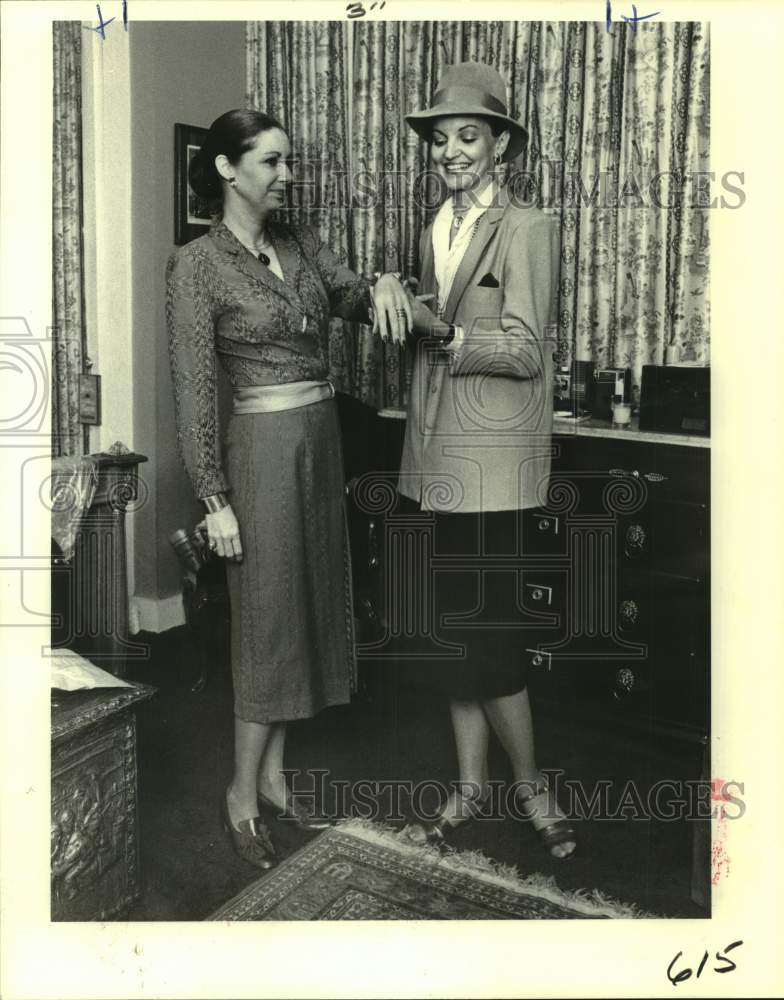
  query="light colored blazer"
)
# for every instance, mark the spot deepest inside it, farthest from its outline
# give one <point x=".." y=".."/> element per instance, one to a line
<point x="478" y="434"/>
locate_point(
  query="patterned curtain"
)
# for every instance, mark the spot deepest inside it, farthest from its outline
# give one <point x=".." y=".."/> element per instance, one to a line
<point x="620" y="118"/>
<point x="296" y="72"/>
<point x="386" y="224"/>
<point x="618" y="125"/>
<point x="68" y="437"/>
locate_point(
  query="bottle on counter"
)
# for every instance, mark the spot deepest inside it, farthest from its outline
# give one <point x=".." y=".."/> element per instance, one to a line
<point x="621" y="412"/>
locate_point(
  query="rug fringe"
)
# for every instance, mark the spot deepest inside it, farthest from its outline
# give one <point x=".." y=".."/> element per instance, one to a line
<point x="590" y="902"/>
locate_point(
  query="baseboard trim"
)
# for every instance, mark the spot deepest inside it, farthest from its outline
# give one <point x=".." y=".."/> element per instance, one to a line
<point x="151" y="614"/>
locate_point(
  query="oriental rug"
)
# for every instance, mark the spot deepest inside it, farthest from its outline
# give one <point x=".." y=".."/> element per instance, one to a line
<point x="364" y="871"/>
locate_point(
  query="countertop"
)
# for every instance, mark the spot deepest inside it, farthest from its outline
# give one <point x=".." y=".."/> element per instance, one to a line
<point x="602" y="428"/>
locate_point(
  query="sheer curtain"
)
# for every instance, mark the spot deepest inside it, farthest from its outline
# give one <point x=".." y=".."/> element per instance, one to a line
<point x="68" y="437"/>
<point x="618" y="123"/>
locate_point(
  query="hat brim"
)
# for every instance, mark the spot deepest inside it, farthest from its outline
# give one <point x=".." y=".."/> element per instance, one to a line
<point x="422" y="123"/>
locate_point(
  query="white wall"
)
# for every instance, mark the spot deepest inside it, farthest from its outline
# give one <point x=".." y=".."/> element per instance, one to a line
<point x="169" y="72"/>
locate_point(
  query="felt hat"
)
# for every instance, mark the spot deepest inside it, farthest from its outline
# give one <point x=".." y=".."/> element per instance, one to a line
<point x="470" y="88"/>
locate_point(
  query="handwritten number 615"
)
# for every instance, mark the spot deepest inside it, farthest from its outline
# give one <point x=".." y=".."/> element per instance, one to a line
<point x="684" y="974"/>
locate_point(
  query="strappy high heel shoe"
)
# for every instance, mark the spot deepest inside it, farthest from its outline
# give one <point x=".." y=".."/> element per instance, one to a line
<point x="541" y="803"/>
<point x="250" y="838"/>
<point x="436" y="833"/>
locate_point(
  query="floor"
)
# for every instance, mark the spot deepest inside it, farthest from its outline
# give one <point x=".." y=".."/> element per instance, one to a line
<point x="390" y="731"/>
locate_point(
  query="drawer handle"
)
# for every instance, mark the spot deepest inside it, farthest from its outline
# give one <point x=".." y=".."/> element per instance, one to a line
<point x="373" y="561"/>
<point x="652" y="477"/>
<point x="629" y="613"/>
<point x="539" y="659"/>
<point x="635" y="539"/>
<point x="623" y="683"/>
<point x="540" y="593"/>
<point x="544" y="524"/>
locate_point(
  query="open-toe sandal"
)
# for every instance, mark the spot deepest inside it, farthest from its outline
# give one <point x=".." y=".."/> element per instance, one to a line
<point x="436" y="833"/>
<point x="556" y="829"/>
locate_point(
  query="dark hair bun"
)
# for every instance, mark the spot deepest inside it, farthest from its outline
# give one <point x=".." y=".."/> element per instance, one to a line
<point x="204" y="178"/>
<point x="233" y="134"/>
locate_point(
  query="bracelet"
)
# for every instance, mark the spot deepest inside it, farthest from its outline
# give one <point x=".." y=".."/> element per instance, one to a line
<point x="449" y="336"/>
<point x="380" y="274"/>
<point x="215" y="502"/>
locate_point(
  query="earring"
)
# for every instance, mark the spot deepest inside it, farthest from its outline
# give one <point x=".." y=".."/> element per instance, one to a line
<point x="233" y="181"/>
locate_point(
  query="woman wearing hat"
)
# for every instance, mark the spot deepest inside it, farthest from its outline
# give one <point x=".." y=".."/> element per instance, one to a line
<point x="478" y="435"/>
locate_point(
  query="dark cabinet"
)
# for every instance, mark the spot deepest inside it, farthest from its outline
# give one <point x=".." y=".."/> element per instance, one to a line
<point x="612" y="582"/>
<point x="629" y="529"/>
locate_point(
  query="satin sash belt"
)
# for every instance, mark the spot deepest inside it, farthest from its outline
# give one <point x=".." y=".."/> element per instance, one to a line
<point x="273" y="398"/>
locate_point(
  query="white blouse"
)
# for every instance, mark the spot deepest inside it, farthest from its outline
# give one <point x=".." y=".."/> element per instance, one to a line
<point x="447" y="259"/>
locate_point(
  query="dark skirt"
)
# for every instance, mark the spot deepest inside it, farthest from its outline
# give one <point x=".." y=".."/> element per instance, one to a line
<point x="292" y="642"/>
<point x="475" y="608"/>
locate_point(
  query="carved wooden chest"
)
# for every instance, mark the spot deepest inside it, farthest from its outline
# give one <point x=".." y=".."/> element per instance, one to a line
<point x="95" y="844"/>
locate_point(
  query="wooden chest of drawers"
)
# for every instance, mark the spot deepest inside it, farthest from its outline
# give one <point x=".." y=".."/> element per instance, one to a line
<point x="627" y="536"/>
<point x="613" y="581"/>
<point x="94" y="845"/>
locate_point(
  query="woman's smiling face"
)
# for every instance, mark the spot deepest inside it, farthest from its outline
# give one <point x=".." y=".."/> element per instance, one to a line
<point x="462" y="149"/>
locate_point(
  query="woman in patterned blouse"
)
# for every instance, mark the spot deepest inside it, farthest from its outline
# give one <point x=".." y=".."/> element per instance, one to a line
<point x="258" y="294"/>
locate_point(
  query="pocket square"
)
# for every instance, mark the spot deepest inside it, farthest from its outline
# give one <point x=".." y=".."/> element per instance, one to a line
<point x="489" y="281"/>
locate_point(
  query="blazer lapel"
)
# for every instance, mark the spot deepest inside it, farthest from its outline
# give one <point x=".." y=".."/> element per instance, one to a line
<point x="484" y="233"/>
<point x="427" y="276"/>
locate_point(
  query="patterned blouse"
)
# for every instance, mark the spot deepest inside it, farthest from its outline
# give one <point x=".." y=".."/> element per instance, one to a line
<point x="221" y="300"/>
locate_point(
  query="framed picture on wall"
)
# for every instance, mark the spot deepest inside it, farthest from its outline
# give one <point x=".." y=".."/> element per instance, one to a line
<point x="191" y="216"/>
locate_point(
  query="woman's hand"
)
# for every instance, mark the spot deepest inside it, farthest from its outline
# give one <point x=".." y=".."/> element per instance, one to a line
<point x="424" y="320"/>
<point x="391" y="309"/>
<point x="224" y="534"/>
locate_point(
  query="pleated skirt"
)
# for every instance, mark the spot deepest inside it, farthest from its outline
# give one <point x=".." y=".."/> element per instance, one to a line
<point x="292" y="641"/>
